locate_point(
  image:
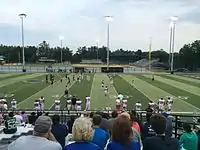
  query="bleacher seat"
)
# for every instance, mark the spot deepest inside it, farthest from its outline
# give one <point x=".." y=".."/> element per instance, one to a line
<point x="7" y="138"/>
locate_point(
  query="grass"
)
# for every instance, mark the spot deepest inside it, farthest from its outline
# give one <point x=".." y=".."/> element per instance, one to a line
<point x="12" y="76"/>
<point x="191" y="98"/>
<point x="144" y="89"/>
<point x="125" y="88"/>
<point x="80" y="90"/>
<point x="180" y="80"/>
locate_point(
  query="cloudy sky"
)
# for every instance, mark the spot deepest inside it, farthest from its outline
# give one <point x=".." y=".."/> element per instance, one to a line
<point x="81" y="22"/>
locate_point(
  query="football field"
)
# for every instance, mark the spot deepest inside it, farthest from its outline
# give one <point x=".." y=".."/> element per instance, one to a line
<point x="28" y="87"/>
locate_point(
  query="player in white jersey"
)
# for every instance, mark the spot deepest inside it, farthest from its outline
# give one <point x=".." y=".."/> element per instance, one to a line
<point x="78" y="104"/>
<point x="37" y="105"/>
<point x="151" y="105"/>
<point x="41" y="100"/>
<point x="57" y="104"/>
<point x="161" y="104"/>
<point x="124" y="104"/>
<point x="87" y="99"/>
<point x="106" y="90"/>
<point x="120" y="97"/>
<point x="118" y="104"/>
<point x="138" y="106"/>
<point x="69" y="104"/>
<point x="14" y="104"/>
<point x="169" y="103"/>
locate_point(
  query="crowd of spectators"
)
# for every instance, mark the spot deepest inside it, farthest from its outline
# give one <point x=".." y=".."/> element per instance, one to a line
<point x="99" y="131"/>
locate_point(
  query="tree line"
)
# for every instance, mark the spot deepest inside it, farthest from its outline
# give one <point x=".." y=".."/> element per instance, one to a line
<point x="188" y="57"/>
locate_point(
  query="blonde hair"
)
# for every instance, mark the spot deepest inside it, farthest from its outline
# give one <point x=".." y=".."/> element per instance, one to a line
<point x="82" y="129"/>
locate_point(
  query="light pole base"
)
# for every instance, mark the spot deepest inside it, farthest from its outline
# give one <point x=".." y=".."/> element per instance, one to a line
<point x="172" y="72"/>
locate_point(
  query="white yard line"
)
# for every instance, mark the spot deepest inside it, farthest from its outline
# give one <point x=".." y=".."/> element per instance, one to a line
<point x="37" y="92"/>
<point x="92" y="85"/>
<point x="62" y="94"/>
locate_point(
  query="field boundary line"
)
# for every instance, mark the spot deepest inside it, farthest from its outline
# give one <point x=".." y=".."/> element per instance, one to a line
<point x="62" y="94"/>
<point x="91" y="91"/>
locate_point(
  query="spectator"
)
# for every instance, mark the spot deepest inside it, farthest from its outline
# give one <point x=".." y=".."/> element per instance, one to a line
<point x="19" y="119"/>
<point x="160" y="141"/>
<point x="104" y="122"/>
<point x="189" y="139"/>
<point x="112" y="120"/>
<point x="100" y="136"/>
<point x="122" y="136"/>
<point x="39" y="113"/>
<point x="135" y="123"/>
<point x="24" y="117"/>
<point x="70" y="124"/>
<point x="147" y="130"/>
<point x="46" y="113"/>
<point x="169" y="128"/>
<point x="41" y="140"/>
<point x="10" y="124"/>
<point x="136" y="135"/>
<point x="59" y="131"/>
<point x="82" y="133"/>
<point x="32" y="118"/>
<point x="1" y="118"/>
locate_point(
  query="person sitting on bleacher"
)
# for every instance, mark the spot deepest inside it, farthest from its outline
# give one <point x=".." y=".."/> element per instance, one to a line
<point x="1" y="118"/>
<point x="10" y="124"/>
<point x="42" y="138"/>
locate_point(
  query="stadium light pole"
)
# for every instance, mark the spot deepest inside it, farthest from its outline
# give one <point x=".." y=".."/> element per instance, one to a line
<point x="172" y="40"/>
<point x="108" y="19"/>
<point x="97" y="45"/>
<point x="61" y="38"/>
<point x="150" y="46"/>
<point x="22" y="16"/>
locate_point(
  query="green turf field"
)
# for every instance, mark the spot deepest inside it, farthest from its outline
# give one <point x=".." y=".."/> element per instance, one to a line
<point x="28" y="87"/>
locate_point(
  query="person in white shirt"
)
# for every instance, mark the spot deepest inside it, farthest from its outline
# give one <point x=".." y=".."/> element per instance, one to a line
<point x="69" y="104"/>
<point x="14" y="104"/>
<point x="106" y="90"/>
<point x="57" y="104"/>
<point x="5" y="106"/>
<point x="41" y="100"/>
<point x="37" y="105"/>
<point x="118" y="104"/>
<point x="78" y="105"/>
<point x="161" y="104"/>
<point x="87" y="107"/>
<point x="169" y="103"/>
<point x="124" y="104"/>
<point x="138" y="106"/>
<point x="19" y="119"/>
<point x="120" y="97"/>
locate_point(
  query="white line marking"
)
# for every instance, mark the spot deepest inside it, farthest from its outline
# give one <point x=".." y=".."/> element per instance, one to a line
<point x="37" y="92"/>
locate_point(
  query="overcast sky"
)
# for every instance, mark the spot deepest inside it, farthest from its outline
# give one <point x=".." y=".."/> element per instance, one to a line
<point x="81" y="22"/>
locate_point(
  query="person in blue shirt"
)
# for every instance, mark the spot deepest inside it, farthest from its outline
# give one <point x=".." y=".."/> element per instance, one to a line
<point x="59" y="131"/>
<point x="147" y="130"/>
<point x="100" y="136"/>
<point x="122" y="136"/>
<point x="82" y="133"/>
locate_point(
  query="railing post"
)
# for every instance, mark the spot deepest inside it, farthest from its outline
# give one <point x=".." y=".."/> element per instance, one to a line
<point x="176" y="126"/>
